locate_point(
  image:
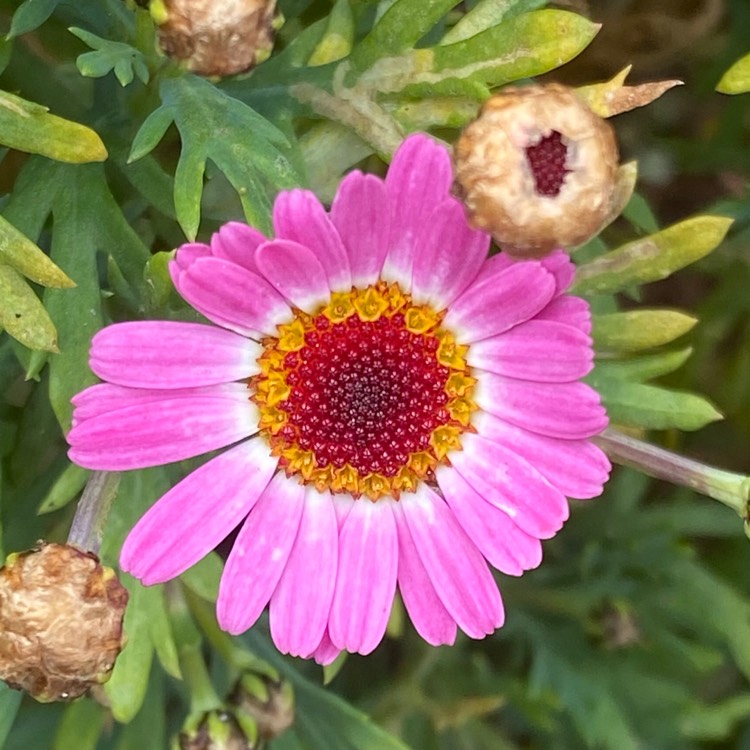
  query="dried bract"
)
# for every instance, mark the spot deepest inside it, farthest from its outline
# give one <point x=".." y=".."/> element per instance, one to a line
<point x="61" y="616"/>
<point x="536" y="169"/>
<point x="216" y="38"/>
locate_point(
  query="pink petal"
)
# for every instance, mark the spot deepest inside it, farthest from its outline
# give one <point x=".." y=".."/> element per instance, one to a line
<point x="578" y="468"/>
<point x="431" y="619"/>
<point x="150" y="430"/>
<point x="366" y="582"/>
<point x="237" y="243"/>
<point x="448" y="256"/>
<point x="232" y="297"/>
<point x="562" y="410"/>
<point x="361" y="213"/>
<point x="171" y="354"/>
<point x="260" y="554"/>
<point x="299" y="216"/>
<point x="495" y="534"/>
<point x="572" y="311"/>
<point x="419" y="178"/>
<point x="301" y="603"/>
<point x="538" y="350"/>
<point x="198" y="513"/>
<point x="558" y="263"/>
<point x="500" y="301"/>
<point x="188" y="253"/>
<point x="455" y="566"/>
<point x="493" y="266"/>
<point x="295" y="272"/>
<point x="512" y="484"/>
<point x="326" y="653"/>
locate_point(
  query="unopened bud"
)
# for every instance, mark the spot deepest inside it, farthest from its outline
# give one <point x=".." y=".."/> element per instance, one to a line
<point x="536" y="169"/>
<point x="217" y="730"/>
<point x="61" y="617"/>
<point x="216" y="38"/>
<point x="270" y="702"/>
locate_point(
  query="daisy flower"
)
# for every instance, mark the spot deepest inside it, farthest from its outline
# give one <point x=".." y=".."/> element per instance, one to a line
<point x="397" y="411"/>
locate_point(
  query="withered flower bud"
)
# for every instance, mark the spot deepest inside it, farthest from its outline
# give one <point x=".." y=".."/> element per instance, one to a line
<point x="217" y="730"/>
<point x="61" y="617"/>
<point x="536" y="169"/>
<point x="270" y="702"/>
<point x="214" y="38"/>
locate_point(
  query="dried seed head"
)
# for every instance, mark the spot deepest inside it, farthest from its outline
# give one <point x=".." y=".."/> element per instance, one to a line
<point x="61" y="617"/>
<point x="216" y="38"/>
<point x="536" y="169"/>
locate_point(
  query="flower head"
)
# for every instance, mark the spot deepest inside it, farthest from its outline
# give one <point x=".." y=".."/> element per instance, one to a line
<point x="537" y="169"/>
<point x="398" y="410"/>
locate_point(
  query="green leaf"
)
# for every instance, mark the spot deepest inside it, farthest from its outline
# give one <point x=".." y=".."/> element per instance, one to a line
<point x="26" y="126"/>
<point x="127" y="687"/>
<point x="161" y="632"/>
<point x="81" y="726"/>
<point x="322" y="719"/>
<point x="487" y="13"/>
<point x="652" y="258"/>
<point x="339" y="34"/>
<point x="10" y="700"/>
<point x="399" y="29"/>
<point x="246" y="147"/>
<point x="652" y="407"/>
<point x="147" y="731"/>
<point x="635" y="330"/>
<point x="22" y="314"/>
<point x="737" y="79"/>
<point x="643" y="368"/>
<point x="30" y="15"/>
<point x="19" y="252"/>
<point x="124" y="60"/>
<point x="65" y="488"/>
<point x="524" y="46"/>
<point x="203" y="577"/>
<point x="717" y="721"/>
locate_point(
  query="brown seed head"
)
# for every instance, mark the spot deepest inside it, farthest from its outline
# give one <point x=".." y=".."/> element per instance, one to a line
<point x="215" y="38"/>
<point x="215" y="730"/>
<point x="61" y="617"/>
<point x="536" y="169"/>
<point x="270" y="702"/>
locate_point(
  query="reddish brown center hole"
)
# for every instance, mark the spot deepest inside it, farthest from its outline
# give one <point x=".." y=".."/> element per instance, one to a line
<point x="364" y="393"/>
<point x="547" y="162"/>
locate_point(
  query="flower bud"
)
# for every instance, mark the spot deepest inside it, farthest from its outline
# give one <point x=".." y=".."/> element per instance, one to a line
<point x="61" y="617"/>
<point x="270" y="702"/>
<point x="216" y="38"/>
<point x="217" y="730"/>
<point x="536" y="169"/>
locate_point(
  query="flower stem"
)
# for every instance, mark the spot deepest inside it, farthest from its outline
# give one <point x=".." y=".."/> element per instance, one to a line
<point x="87" y="528"/>
<point x="725" y="486"/>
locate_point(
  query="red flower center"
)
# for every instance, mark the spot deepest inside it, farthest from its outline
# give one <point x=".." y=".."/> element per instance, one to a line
<point x="547" y="162"/>
<point x="365" y="393"/>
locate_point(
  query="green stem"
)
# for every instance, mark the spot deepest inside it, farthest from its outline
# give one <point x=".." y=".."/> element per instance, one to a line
<point x="87" y="528"/>
<point x="725" y="486"/>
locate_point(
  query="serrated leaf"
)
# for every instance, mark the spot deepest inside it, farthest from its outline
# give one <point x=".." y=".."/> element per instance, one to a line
<point x="487" y="13"/>
<point x="652" y="258"/>
<point x="22" y="314"/>
<point x="26" y="126"/>
<point x="123" y="59"/>
<point x="30" y="15"/>
<point x="524" y="46"/>
<point x="19" y="252"/>
<point x="651" y="407"/>
<point x="737" y="79"/>
<point x="613" y="97"/>
<point x="634" y="330"/>
<point x="242" y="144"/>
<point x="65" y="488"/>
<point x="640" y="369"/>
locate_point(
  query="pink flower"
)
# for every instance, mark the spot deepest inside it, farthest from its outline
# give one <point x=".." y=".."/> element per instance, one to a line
<point x="401" y="411"/>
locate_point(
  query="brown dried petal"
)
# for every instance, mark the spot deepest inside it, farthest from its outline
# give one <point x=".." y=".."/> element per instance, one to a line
<point x="495" y="180"/>
<point x="61" y="617"/>
<point x="216" y="38"/>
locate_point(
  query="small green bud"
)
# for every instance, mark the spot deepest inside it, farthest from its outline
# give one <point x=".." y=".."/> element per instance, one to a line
<point x="270" y="703"/>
